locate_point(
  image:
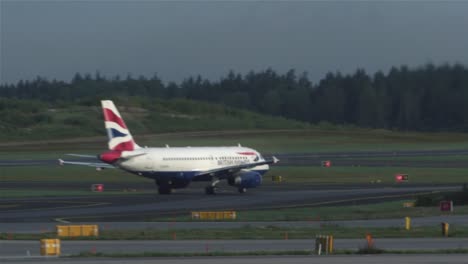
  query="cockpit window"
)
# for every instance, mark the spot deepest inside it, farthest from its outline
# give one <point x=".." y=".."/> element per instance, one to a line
<point x="258" y="157"/>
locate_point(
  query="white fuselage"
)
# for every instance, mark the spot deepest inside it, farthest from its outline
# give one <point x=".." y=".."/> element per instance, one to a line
<point x="189" y="159"/>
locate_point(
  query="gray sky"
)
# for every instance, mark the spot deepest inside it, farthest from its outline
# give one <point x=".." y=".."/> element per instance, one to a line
<point x="56" y="39"/>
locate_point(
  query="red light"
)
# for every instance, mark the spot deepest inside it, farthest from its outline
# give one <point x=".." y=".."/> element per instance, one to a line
<point x="98" y="187"/>
<point x="401" y="177"/>
<point x="326" y="163"/>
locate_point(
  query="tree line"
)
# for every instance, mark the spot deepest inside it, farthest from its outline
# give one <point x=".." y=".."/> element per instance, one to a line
<point x="426" y="98"/>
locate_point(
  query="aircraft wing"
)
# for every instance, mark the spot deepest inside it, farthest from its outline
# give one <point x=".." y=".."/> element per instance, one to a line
<point x="98" y="165"/>
<point x="225" y="172"/>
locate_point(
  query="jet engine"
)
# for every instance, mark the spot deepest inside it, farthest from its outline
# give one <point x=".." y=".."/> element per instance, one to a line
<point x="250" y="179"/>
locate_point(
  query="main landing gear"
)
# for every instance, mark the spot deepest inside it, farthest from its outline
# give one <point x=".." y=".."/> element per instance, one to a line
<point x="164" y="187"/>
<point x="164" y="190"/>
<point x="242" y="190"/>
<point x="211" y="189"/>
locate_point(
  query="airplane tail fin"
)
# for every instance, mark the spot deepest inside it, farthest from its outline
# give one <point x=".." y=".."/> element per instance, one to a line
<point x="119" y="136"/>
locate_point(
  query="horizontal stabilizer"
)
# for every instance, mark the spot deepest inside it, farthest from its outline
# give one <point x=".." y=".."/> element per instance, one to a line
<point x="81" y="155"/>
<point x="89" y="164"/>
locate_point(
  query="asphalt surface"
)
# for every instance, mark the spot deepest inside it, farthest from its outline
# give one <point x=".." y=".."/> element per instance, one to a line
<point x="313" y="259"/>
<point x="142" y="207"/>
<point x="23" y="248"/>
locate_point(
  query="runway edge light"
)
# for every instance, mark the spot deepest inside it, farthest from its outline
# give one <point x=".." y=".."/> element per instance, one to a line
<point x="97" y="187"/>
<point x="401" y="177"/>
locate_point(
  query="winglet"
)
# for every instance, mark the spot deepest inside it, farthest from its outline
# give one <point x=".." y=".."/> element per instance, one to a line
<point x="275" y="160"/>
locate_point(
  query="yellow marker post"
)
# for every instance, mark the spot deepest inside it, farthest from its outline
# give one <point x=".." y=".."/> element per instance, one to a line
<point x="445" y="229"/>
<point x="195" y="215"/>
<point x="370" y="241"/>
<point x="330" y="244"/>
<point x="407" y="223"/>
<point x="276" y="178"/>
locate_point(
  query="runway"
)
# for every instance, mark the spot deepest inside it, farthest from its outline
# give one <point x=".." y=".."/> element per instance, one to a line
<point x="140" y="207"/>
<point x="312" y="259"/>
<point x="20" y="248"/>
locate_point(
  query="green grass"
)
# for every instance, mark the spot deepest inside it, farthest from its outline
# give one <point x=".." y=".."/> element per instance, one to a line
<point x="345" y="175"/>
<point x="353" y="212"/>
<point x="193" y="254"/>
<point x="143" y="116"/>
<point x="248" y="232"/>
<point x="317" y="140"/>
<point x="70" y="173"/>
<point x="290" y="174"/>
<point x="263" y="253"/>
<point x="383" y="210"/>
<point x="266" y="141"/>
<point x="416" y="158"/>
<point x="22" y="193"/>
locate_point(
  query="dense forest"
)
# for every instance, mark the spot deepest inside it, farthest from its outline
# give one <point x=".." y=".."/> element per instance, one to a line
<point x="427" y="98"/>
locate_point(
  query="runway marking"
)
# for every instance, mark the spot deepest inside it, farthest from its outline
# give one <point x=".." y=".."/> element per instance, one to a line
<point x="79" y="205"/>
<point x="61" y="220"/>
<point x="74" y="206"/>
<point x="3" y="206"/>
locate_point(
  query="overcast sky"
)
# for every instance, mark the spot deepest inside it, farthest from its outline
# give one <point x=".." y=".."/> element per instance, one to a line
<point x="56" y="39"/>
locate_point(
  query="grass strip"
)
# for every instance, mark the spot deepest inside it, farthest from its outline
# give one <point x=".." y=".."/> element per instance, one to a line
<point x="24" y="193"/>
<point x="247" y="232"/>
<point x="263" y="253"/>
<point x="290" y="174"/>
<point x="193" y="254"/>
<point x="385" y="210"/>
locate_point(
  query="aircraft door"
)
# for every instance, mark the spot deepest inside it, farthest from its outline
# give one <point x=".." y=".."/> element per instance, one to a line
<point x="149" y="163"/>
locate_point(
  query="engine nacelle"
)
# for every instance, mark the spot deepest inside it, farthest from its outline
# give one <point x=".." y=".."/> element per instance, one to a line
<point x="249" y="179"/>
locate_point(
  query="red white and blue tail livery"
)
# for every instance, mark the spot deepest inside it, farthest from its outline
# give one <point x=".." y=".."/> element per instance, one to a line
<point x="120" y="138"/>
<point x="176" y="167"/>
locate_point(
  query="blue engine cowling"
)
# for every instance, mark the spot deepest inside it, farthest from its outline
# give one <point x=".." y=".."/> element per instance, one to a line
<point x="250" y="179"/>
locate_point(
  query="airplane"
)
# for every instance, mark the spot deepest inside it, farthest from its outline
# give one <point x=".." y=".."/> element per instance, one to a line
<point x="175" y="167"/>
